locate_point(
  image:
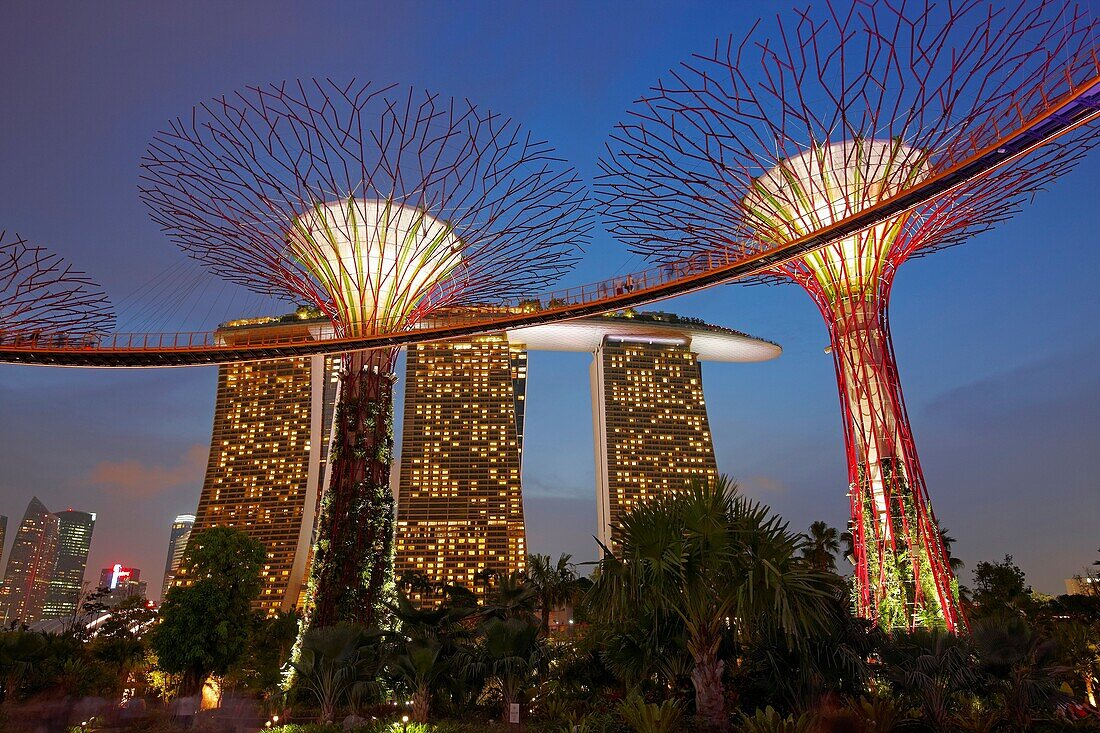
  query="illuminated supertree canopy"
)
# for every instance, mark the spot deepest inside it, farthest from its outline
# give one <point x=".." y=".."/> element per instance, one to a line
<point x="43" y="299"/>
<point x="378" y="205"/>
<point x="765" y="139"/>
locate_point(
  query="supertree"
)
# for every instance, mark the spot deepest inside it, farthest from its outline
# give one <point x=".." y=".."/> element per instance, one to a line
<point x="378" y="205"/>
<point x="766" y="139"/>
<point x="43" y="299"/>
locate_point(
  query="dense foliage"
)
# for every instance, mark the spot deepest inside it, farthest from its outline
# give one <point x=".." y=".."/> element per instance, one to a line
<point x="709" y="614"/>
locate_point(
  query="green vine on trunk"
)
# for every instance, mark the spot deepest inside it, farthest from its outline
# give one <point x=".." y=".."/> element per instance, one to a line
<point x="896" y="603"/>
<point x="352" y="564"/>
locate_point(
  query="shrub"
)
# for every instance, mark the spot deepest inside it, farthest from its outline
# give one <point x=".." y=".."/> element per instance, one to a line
<point x="649" y="717"/>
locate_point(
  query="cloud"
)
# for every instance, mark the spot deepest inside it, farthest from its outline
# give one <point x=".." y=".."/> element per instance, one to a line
<point x="549" y="485"/>
<point x="764" y="485"/>
<point x="136" y="480"/>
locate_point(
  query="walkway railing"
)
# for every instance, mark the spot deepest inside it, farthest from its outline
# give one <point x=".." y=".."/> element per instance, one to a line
<point x="989" y="149"/>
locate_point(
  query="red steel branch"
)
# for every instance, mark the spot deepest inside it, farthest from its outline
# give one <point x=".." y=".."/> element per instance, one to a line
<point x="766" y="138"/>
<point x="378" y="205"/>
<point x="42" y="297"/>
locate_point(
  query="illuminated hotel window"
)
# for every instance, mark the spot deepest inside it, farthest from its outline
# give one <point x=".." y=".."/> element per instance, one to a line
<point x="658" y="387"/>
<point x="463" y="422"/>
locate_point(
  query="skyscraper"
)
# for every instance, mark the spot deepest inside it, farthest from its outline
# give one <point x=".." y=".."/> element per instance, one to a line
<point x="122" y="582"/>
<point x="177" y="543"/>
<point x="30" y="565"/>
<point x="650" y="425"/>
<point x="460" y="508"/>
<point x="268" y="452"/>
<point x="74" y="539"/>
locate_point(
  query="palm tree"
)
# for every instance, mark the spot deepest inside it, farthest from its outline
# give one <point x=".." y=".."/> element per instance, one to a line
<point x="721" y="564"/>
<point x="932" y="669"/>
<point x="1079" y="649"/>
<point x="1022" y="667"/>
<point x="417" y="664"/>
<point x="947" y="540"/>
<point x="510" y="654"/>
<point x="422" y="658"/>
<point x="822" y="546"/>
<point x="554" y="584"/>
<point x="510" y="596"/>
<point x="644" y="651"/>
<point x="331" y="662"/>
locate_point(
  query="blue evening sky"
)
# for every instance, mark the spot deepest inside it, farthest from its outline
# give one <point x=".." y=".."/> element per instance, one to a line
<point x="996" y="339"/>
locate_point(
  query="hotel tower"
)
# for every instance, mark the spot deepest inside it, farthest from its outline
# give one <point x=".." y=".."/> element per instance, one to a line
<point x="459" y="500"/>
<point x="268" y="453"/>
<point x="460" y="509"/>
<point x="649" y="419"/>
<point x="649" y="423"/>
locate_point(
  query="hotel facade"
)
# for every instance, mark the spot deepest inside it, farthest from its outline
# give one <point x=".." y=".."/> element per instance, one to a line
<point x="458" y="484"/>
<point x="459" y="501"/>
<point x="268" y="454"/>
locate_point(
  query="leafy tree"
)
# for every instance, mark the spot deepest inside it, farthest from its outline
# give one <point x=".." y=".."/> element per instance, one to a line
<point x="821" y="547"/>
<point x="122" y="656"/>
<point x="1080" y="609"/>
<point x="999" y="586"/>
<point x="204" y="627"/>
<point x="554" y="584"/>
<point x="719" y="563"/>
<point x="129" y="619"/>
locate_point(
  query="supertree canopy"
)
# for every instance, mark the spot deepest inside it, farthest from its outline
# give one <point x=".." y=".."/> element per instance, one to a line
<point x="42" y="298"/>
<point x="378" y="206"/>
<point x="766" y="139"/>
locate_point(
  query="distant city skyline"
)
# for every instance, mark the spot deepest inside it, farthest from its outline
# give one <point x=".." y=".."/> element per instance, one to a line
<point x="1003" y="396"/>
<point x="44" y="576"/>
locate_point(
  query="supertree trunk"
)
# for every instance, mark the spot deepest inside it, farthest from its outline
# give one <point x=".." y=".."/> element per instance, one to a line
<point x="902" y="578"/>
<point x="352" y="559"/>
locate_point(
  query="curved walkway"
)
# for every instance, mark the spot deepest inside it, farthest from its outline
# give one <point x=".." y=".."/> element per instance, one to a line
<point x="1055" y="117"/>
